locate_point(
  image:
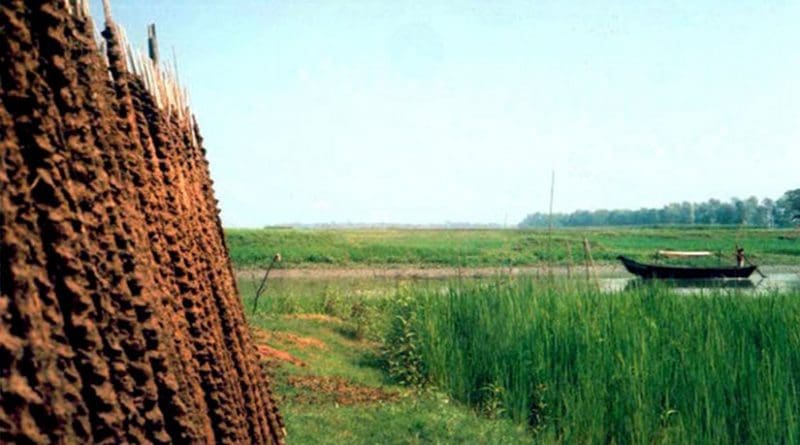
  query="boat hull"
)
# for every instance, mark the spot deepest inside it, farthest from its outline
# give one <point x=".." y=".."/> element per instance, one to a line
<point x="684" y="273"/>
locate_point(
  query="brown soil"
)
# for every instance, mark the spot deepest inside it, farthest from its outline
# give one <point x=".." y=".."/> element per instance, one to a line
<point x="337" y="390"/>
<point x="120" y="320"/>
<point x="315" y="317"/>
<point x="263" y="336"/>
<point x="270" y="355"/>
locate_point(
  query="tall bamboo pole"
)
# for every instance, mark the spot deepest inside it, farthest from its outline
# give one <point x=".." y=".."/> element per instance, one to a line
<point x="591" y="270"/>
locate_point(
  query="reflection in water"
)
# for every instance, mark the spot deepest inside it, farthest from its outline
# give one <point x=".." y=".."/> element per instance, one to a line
<point x="745" y="283"/>
<point x="773" y="283"/>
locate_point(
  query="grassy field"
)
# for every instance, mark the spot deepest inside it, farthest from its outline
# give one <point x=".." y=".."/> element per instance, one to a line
<point x="478" y="248"/>
<point x="331" y="382"/>
<point x="577" y="366"/>
<point x="504" y="360"/>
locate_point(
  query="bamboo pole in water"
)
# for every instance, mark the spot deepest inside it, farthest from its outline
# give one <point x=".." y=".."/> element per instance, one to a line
<point x="591" y="270"/>
<point x="569" y="259"/>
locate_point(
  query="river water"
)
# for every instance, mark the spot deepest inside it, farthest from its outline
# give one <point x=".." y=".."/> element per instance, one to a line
<point x="780" y="282"/>
<point x="778" y="279"/>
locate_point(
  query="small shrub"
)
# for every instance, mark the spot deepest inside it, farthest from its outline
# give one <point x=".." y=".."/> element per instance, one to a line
<point x="359" y="316"/>
<point x="491" y="404"/>
<point x="402" y="346"/>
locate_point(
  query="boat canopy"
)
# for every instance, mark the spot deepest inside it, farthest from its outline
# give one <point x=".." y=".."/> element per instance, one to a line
<point x="678" y="253"/>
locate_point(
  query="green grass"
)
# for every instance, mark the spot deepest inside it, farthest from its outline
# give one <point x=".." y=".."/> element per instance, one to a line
<point x="362" y="303"/>
<point x="476" y="248"/>
<point x="426" y="420"/>
<point x="538" y="361"/>
<point x="321" y="296"/>
<point x="352" y="353"/>
<point x="644" y="366"/>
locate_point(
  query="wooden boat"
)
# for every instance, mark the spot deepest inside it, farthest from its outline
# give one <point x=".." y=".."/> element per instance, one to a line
<point x="684" y="272"/>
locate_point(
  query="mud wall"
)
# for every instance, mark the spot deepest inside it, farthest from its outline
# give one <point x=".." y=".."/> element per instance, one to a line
<point x="119" y="315"/>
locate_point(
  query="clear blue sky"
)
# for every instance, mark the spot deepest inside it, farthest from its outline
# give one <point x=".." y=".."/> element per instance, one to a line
<point x="426" y="112"/>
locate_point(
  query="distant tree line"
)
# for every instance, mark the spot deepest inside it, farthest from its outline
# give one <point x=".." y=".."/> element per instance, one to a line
<point x="784" y="212"/>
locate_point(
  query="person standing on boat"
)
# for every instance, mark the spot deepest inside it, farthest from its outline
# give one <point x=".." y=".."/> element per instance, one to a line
<point x="739" y="256"/>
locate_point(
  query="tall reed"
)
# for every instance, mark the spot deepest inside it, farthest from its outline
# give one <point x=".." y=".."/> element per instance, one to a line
<point x="579" y="366"/>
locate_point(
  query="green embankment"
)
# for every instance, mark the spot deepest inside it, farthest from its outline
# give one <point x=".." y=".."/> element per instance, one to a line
<point x="478" y="248"/>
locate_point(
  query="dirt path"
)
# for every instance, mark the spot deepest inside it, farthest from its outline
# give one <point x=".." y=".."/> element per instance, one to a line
<point x="426" y="272"/>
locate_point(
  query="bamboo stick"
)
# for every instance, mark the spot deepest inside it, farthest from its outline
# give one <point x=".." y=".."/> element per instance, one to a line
<point x="87" y="15"/>
<point x="153" y="82"/>
<point x="125" y="44"/>
<point x="146" y="75"/>
<point x="177" y="92"/>
<point x="569" y="259"/>
<point x="193" y="133"/>
<point x="169" y="86"/>
<point x="159" y="86"/>
<point x="132" y="62"/>
<point x="161" y="81"/>
<point x="587" y="251"/>
<point x="275" y="259"/>
<point x="167" y="91"/>
<point x="107" y="12"/>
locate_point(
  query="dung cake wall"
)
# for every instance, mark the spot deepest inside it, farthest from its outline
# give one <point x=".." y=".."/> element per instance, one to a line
<point x="119" y="315"/>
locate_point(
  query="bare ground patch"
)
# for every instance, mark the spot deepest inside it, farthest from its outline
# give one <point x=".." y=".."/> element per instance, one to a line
<point x="275" y="356"/>
<point x="315" y="317"/>
<point x="263" y="336"/>
<point x="320" y="389"/>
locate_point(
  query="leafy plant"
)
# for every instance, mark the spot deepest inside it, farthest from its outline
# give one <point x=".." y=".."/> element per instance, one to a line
<point x="402" y="345"/>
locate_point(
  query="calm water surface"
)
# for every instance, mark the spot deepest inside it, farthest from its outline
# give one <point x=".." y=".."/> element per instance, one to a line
<point x="756" y="284"/>
<point x="780" y="280"/>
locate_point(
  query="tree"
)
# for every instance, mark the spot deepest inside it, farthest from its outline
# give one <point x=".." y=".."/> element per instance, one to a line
<point x="726" y="214"/>
<point x="767" y="213"/>
<point x="790" y="201"/>
<point x="764" y="216"/>
<point x="687" y="212"/>
<point x="746" y="211"/>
